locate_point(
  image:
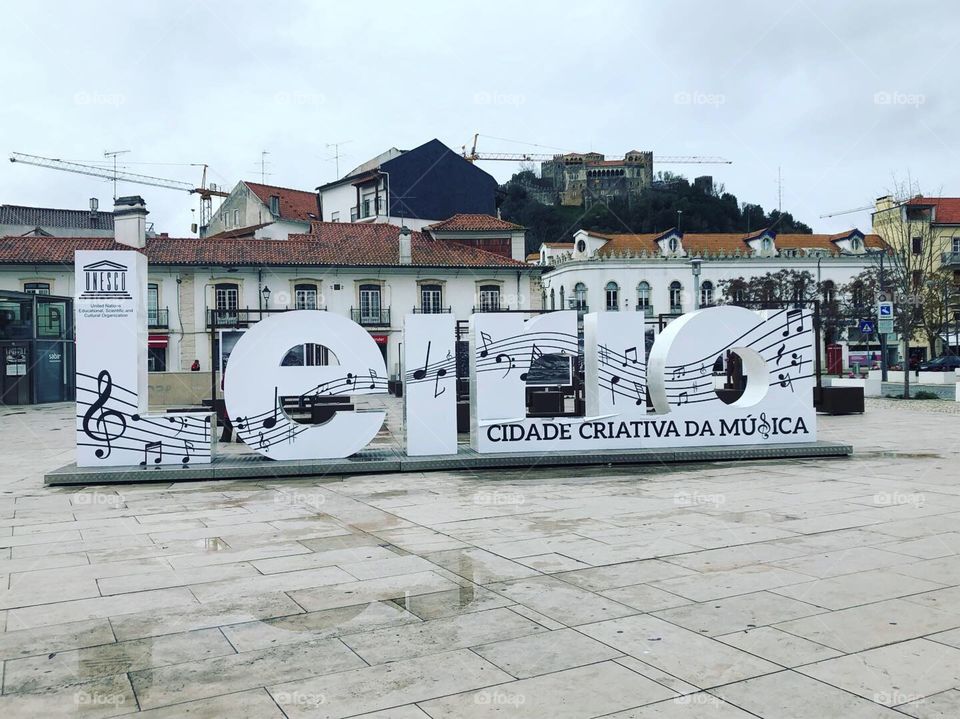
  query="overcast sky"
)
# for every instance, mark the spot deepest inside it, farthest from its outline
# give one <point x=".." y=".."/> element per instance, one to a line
<point x="844" y="97"/>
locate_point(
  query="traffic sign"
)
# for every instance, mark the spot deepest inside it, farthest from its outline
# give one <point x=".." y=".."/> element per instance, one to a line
<point x="885" y="310"/>
<point x="867" y="327"/>
<point x="885" y="327"/>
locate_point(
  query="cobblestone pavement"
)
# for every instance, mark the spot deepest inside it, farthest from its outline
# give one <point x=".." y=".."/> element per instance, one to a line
<point x="778" y="589"/>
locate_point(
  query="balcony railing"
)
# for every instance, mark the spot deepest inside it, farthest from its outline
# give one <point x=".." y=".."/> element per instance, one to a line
<point x="239" y="319"/>
<point x="490" y="308"/>
<point x="950" y="259"/>
<point x="371" y="317"/>
<point x="158" y="319"/>
<point x="429" y="310"/>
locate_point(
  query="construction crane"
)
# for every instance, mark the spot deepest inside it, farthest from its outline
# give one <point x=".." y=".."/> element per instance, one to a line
<point x="204" y="191"/>
<point x="473" y="156"/>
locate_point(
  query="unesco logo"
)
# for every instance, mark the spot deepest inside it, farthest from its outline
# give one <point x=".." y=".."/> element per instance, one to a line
<point x="105" y="280"/>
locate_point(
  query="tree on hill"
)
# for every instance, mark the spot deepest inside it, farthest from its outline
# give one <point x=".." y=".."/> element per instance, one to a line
<point x="671" y="201"/>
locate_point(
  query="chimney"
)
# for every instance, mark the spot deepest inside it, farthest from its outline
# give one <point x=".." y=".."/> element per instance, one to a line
<point x="884" y="203"/>
<point x="130" y="221"/>
<point x="94" y="206"/>
<point x="406" y="253"/>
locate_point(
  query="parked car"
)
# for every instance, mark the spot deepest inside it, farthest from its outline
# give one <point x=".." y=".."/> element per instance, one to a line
<point x="947" y="363"/>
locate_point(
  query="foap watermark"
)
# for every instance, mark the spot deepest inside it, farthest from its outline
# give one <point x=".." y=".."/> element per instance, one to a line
<point x="97" y="499"/>
<point x="299" y="499"/>
<point x="497" y="498"/>
<point x="890" y="499"/>
<point x="894" y="697"/>
<point x="689" y="499"/>
<point x="299" y="97"/>
<point x="485" y="97"/>
<point x="698" y="97"/>
<point x="499" y="698"/>
<point x="300" y="699"/>
<point x="699" y="699"/>
<point x="111" y="99"/>
<point x="86" y="698"/>
<point x="895" y="97"/>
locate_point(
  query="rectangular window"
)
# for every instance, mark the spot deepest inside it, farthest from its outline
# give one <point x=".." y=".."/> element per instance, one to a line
<point x="157" y="359"/>
<point x="335" y="216"/>
<point x="956" y="245"/>
<point x="275" y="205"/>
<point x="153" y="303"/>
<point x="613" y="301"/>
<point x="489" y="298"/>
<point x="36" y="288"/>
<point x="369" y="304"/>
<point x="227" y="297"/>
<point x="917" y="245"/>
<point x="306" y="297"/>
<point x="236" y="218"/>
<point x="430" y="298"/>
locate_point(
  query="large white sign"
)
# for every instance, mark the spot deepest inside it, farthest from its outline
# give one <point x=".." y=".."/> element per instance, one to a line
<point x="523" y="376"/>
<point x="113" y="427"/>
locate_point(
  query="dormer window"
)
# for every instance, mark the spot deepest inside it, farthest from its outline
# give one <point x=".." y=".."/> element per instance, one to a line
<point x="275" y="205"/>
<point x="856" y="244"/>
<point x="673" y="244"/>
<point x="766" y="244"/>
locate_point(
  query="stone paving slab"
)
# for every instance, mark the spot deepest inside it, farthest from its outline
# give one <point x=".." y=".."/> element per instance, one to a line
<point x="799" y="587"/>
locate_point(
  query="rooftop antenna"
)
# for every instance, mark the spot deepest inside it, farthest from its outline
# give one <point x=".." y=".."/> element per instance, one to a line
<point x="779" y="191"/>
<point x="113" y="154"/>
<point x="263" y="167"/>
<point x="336" y="153"/>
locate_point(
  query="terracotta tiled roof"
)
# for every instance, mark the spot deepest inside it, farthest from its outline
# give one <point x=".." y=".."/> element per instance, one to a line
<point x="533" y="257"/>
<point x="294" y="204"/>
<point x="332" y="244"/>
<point x="948" y="208"/>
<point x="714" y="242"/>
<point x="473" y="223"/>
<point x="239" y="232"/>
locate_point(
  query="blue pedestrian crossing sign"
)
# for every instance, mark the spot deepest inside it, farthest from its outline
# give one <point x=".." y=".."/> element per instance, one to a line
<point x="885" y="310"/>
<point x="867" y="327"/>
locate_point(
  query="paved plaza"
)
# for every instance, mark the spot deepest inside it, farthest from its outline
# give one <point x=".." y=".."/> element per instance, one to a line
<point x="776" y="589"/>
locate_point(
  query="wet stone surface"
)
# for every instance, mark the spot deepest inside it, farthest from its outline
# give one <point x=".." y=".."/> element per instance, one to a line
<point x="800" y="588"/>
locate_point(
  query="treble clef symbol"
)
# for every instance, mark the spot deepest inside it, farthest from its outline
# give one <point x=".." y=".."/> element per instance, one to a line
<point x="102" y="432"/>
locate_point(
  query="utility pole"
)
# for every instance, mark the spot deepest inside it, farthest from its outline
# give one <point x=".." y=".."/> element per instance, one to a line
<point x="113" y="154"/>
<point x="883" y="335"/>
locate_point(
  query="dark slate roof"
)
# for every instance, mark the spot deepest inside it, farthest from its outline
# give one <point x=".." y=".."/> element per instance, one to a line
<point x="50" y="217"/>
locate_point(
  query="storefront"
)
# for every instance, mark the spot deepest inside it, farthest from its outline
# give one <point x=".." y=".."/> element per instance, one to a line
<point x="36" y="348"/>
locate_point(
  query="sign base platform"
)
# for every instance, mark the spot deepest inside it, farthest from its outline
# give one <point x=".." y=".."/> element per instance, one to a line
<point x="390" y="461"/>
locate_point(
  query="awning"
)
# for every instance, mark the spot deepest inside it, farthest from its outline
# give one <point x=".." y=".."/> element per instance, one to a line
<point x="380" y="339"/>
<point x="157" y="341"/>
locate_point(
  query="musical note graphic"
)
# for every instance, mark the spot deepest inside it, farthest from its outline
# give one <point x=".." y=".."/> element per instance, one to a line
<point x="683" y="398"/>
<point x="786" y="380"/>
<point x="511" y="363"/>
<point x="486" y="339"/>
<point x="627" y="358"/>
<point x="437" y="390"/>
<point x="271" y="422"/>
<point x="103" y="417"/>
<point x="794" y="316"/>
<point x="180" y="421"/>
<point x="149" y="447"/>
<point x="372" y="373"/>
<point x="678" y="374"/>
<point x="780" y="351"/>
<point x="615" y="380"/>
<point x="421" y="373"/>
<point x="187" y="447"/>
<point x="604" y="354"/>
<point x="641" y="398"/>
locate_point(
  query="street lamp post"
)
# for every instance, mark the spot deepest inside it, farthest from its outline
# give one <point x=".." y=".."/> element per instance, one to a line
<point x="695" y="267"/>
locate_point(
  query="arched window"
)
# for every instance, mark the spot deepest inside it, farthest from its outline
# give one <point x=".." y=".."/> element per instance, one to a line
<point x="766" y="244"/>
<point x="706" y="294"/>
<point x="856" y="244"/>
<point x="643" y="298"/>
<point x="613" y="296"/>
<point x="769" y="293"/>
<point x="673" y="244"/>
<point x="799" y="292"/>
<point x="676" y="296"/>
<point x="563" y="305"/>
<point x="858" y="294"/>
<point x="553" y="299"/>
<point x="739" y="292"/>
<point x="580" y="296"/>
